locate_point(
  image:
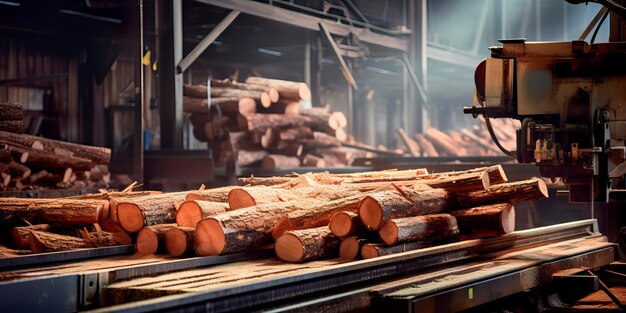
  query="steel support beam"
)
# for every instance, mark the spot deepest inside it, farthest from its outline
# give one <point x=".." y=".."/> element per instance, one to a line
<point x="139" y="98"/>
<point x="170" y="82"/>
<point x="308" y="22"/>
<point x="345" y="70"/>
<point x="185" y="63"/>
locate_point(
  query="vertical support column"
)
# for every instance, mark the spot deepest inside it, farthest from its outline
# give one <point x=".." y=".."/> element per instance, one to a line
<point x="415" y="118"/>
<point x="350" y="104"/>
<point x="170" y="83"/>
<point x="618" y="26"/>
<point x="139" y="105"/>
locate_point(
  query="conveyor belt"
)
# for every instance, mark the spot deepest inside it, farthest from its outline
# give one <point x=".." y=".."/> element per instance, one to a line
<point x="239" y="282"/>
<point x="253" y="284"/>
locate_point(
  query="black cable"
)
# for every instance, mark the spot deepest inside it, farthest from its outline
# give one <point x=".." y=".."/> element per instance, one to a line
<point x="495" y="139"/>
<point x="595" y="32"/>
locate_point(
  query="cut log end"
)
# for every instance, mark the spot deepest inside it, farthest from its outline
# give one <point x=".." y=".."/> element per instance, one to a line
<point x="175" y="242"/>
<point x="508" y="219"/>
<point x="247" y="106"/>
<point x="130" y="217"/>
<point x="485" y="178"/>
<point x="389" y="233"/>
<point x="371" y="213"/>
<point x="304" y="92"/>
<point x="369" y="252"/>
<point x="238" y="198"/>
<point x="274" y="94"/>
<point x="189" y="214"/>
<point x="289" y="248"/>
<point x="209" y="238"/>
<point x="341" y="224"/>
<point x="266" y="100"/>
<point x="147" y="241"/>
<point x="543" y="187"/>
<point x="349" y="248"/>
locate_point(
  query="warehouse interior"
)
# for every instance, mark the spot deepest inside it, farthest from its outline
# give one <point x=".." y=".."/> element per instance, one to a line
<point x="312" y="155"/>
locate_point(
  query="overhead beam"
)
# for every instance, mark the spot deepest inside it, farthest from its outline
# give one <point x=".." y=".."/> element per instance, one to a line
<point x="308" y="22"/>
<point x="206" y="41"/>
<point x="342" y="63"/>
<point x="452" y="57"/>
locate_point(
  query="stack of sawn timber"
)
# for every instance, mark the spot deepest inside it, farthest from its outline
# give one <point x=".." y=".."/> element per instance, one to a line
<point x="32" y="162"/>
<point x="475" y="141"/>
<point x="262" y="125"/>
<point x="312" y="215"/>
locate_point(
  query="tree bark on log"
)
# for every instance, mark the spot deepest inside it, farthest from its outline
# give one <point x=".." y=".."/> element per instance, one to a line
<point x="376" y="208"/>
<point x="151" y="239"/>
<point x="11" y="111"/>
<point x="239" y="230"/>
<point x="274" y="162"/>
<point x="320" y="140"/>
<point x="307" y="244"/>
<point x="191" y="212"/>
<point x="345" y="224"/>
<point x="413" y="147"/>
<point x="98" y="155"/>
<point x="287" y="148"/>
<point x="21" y="234"/>
<point x="135" y="213"/>
<point x="374" y="250"/>
<point x="228" y="105"/>
<point x="296" y="133"/>
<point x="249" y="158"/>
<point x="261" y="122"/>
<point x="213" y="195"/>
<point x="179" y="241"/>
<point x="286" y="89"/>
<point x="427" y="148"/>
<point x="418" y="228"/>
<point x="48" y="242"/>
<point x="313" y="161"/>
<point x="51" y="211"/>
<point x="12" y="126"/>
<point x="514" y="192"/>
<point x="242" y="197"/>
<point x="443" y="142"/>
<point x="458" y="183"/>
<point x="45" y="159"/>
<point x="348" y="177"/>
<point x="264" y="181"/>
<point x="487" y="221"/>
<point x="310" y="216"/>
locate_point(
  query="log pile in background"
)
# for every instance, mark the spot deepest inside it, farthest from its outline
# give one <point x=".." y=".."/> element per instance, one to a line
<point x="308" y="216"/>
<point x="464" y="142"/>
<point x="11" y="117"/>
<point x="261" y="124"/>
<point x="34" y="163"/>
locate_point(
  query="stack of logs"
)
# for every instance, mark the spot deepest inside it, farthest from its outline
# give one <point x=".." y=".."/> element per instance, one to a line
<point x="260" y="123"/>
<point x="465" y="142"/>
<point x="11" y="116"/>
<point x="308" y="217"/>
<point x="31" y="162"/>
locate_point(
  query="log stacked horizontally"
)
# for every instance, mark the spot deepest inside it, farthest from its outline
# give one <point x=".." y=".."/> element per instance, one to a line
<point x="306" y="217"/>
<point x="472" y="141"/>
<point x="33" y="163"/>
<point x="259" y="123"/>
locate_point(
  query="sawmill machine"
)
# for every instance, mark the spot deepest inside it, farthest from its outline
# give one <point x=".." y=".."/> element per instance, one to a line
<point x="570" y="98"/>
